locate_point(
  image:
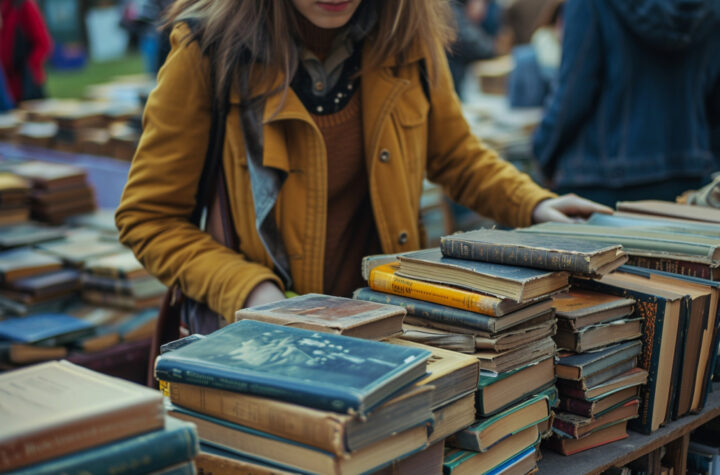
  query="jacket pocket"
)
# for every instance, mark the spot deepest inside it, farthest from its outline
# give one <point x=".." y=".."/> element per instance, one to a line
<point x="411" y="119"/>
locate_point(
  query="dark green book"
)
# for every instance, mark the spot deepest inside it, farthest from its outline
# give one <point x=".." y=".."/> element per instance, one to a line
<point x="517" y="283"/>
<point x="514" y="248"/>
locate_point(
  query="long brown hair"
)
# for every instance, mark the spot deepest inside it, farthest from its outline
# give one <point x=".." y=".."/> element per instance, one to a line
<point x="249" y="32"/>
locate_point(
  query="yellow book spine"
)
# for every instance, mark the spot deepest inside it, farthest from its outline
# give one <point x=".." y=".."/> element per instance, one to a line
<point x="384" y="278"/>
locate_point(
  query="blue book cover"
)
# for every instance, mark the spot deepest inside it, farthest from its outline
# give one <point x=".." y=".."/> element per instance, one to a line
<point x="508" y="464"/>
<point x="321" y="370"/>
<point x="48" y="329"/>
<point x="175" y="444"/>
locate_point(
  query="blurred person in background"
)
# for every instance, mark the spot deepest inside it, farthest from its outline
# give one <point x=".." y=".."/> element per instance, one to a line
<point x="637" y="94"/>
<point x="519" y="22"/>
<point x="25" y="44"/>
<point x="473" y="41"/>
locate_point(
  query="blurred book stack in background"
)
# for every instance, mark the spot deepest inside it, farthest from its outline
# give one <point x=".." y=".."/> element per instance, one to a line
<point x="14" y="199"/>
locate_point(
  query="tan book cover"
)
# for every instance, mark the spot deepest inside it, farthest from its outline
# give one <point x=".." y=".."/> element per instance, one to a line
<point x="25" y="262"/>
<point x="325" y="313"/>
<point x="500" y="362"/>
<point x="671" y="210"/>
<point x="453" y="417"/>
<point x="579" y="307"/>
<point x="121" y="265"/>
<point x="56" y="408"/>
<point x="49" y="174"/>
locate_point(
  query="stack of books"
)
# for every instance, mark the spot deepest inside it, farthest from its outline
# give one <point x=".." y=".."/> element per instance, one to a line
<point x="32" y="281"/>
<point x="297" y="399"/>
<point x="14" y="199"/>
<point x="68" y="419"/>
<point x="58" y="190"/>
<point x="598" y="374"/>
<point x="120" y="280"/>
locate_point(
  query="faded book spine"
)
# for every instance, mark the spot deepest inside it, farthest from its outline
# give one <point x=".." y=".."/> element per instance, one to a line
<point x="323" y="430"/>
<point x="675" y="266"/>
<point x="78" y="435"/>
<point x="577" y="406"/>
<point x="384" y="279"/>
<point x="513" y="255"/>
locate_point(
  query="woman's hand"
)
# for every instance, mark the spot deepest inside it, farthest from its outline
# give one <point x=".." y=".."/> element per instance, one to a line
<point x="567" y="209"/>
<point x="264" y="292"/>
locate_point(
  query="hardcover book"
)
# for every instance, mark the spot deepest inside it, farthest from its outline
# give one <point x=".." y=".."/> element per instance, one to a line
<point x="24" y="262"/>
<point x="336" y="433"/>
<point x="496" y="393"/>
<point x="517" y="357"/>
<point x="50" y="175"/>
<point x="633" y="377"/>
<point x="86" y="409"/>
<point x="174" y="444"/>
<point x="483" y="435"/>
<point x="672" y="210"/>
<point x="598" y="406"/>
<point x="444" y="317"/>
<point x="579" y="366"/>
<point x="27" y="234"/>
<point x="213" y="460"/>
<point x="517" y="283"/>
<point x="513" y="248"/>
<point x="599" y="335"/>
<point x="459" y="461"/>
<point x="569" y="446"/>
<point x="22" y="354"/>
<point x="297" y="456"/>
<point x="606" y="374"/>
<point x="452" y="374"/>
<point x="325" y="313"/>
<point x="384" y="278"/>
<point x="47" y="329"/>
<point x="573" y="426"/>
<point x="578" y="308"/>
<point x="78" y="252"/>
<point x="452" y="417"/>
<point x="320" y="370"/>
<point x="122" y="265"/>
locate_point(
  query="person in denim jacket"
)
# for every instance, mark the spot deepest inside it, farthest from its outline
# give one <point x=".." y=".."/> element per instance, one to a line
<point x="637" y="94"/>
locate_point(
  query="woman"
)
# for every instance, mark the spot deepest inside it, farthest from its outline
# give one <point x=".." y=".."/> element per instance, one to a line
<point x="349" y="123"/>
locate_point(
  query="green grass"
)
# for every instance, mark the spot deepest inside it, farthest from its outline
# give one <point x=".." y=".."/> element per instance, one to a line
<point x="72" y="84"/>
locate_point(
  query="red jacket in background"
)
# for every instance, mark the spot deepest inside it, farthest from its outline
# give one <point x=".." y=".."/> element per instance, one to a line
<point x="22" y="20"/>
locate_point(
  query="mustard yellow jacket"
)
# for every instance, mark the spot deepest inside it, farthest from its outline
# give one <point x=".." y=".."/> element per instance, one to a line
<point x="406" y="138"/>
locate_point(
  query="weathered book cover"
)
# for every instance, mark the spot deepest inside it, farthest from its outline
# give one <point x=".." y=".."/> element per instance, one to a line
<point x="513" y="248"/>
<point x="511" y="359"/>
<point x="466" y="461"/>
<point x="213" y="460"/>
<point x="47" y="329"/>
<point x="384" y="278"/>
<point x="634" y="377"/>
<point x="484" y="434"/>
<point x="583" y="365"/>
<point x="441" y="314"/>
<point x="517" y="283"/>
<point x="607" y="374"/>
<point x="24" y="262"/>
<point x="326" y="313"/>
<point x="86" y="409"/>
<point x="27" y="234"/>
<point x="598" y="406"/>
<point x="701" y="270"/>
<point x="569" y="446"/>
<point x="121" y="265"/>
<point x="703" y="214"/>
<point x="49" y="175"/>
<point x="571" y="425"/>
<point x="176" y="443"/>
<point x="599" y="335"/>
<point x="321" y="370"/>
<point x="578" y="308"/>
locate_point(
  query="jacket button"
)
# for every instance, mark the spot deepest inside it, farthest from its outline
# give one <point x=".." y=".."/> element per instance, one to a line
<point x="402" y="237"/>
<point x="384" y="155"/>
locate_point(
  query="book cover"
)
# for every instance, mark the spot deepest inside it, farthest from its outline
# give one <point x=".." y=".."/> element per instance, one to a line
<point x="498" y="392"/>
<point x="63" y="280"/>
<point x="77" y="252"/>
<point x="500" y="362"/>
<point x="444" y="315"/>
<point x="176" y="443"/>
<point x="298" y="456"/>
<point x="318" y="370"/>
<point x="486" y="432"/>
<point x="569" y="446"/>
<point x="384" y="278"/>
<point x="633" y="377"/>
<point x="86" y="409"/>
<point x="517" y="283"/>
<point x="582" y="365"/>
<point x="571" y="425"/>
<point x="48" y="329"/>
<point x="580" y="308"/>
<point x="674" y="265"/>
<point x="120" y="265"/>
<point x="513" y="248"/>
<point x="599" y="406"/>
<point x="22" y="354"/>
<point x="670" y="209"/>
<point x="607" y="374"/>
<point x="49" y="175"/>
<point x="325" y="313"/>
<point x="24" y="262"/>
<point x="27" y="234"/>
<point x="452" y="417"/>
<point x="599" y="335"/>
<point x="214" y="460"/>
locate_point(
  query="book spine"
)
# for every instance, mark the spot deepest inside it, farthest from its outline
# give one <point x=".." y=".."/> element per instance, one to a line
<point x="577" y="406"/>
<point x="674" y="266"/>
<point x="514" y="255"/>
<point x="309" y="394"/>
<point x="78" y="435"/>
<point x="566" y="428"/>
<point x="430" y="311"/>
<point x="289" y="421"/>
<point x="142" y="454"/>
<point x="384" y="279"/>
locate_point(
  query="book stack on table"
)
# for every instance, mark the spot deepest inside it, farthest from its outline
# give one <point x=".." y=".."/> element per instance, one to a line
<point x="14" y="199"/>
<point x="58" y="190"/>
<point x="62" y="418"/>
<point x="489" y="294"/>
<point x="598" y="374"/>
<point x="294" y="399"/>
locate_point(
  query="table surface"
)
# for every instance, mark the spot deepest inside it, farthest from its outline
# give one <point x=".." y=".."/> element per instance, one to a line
<point x="636" y="445"/>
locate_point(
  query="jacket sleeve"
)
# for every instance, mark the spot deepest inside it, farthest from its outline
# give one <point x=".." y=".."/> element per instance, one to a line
<point x="471" y="173"/>
<point x="153" y="216"/>
<point x="577" y="87"/>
